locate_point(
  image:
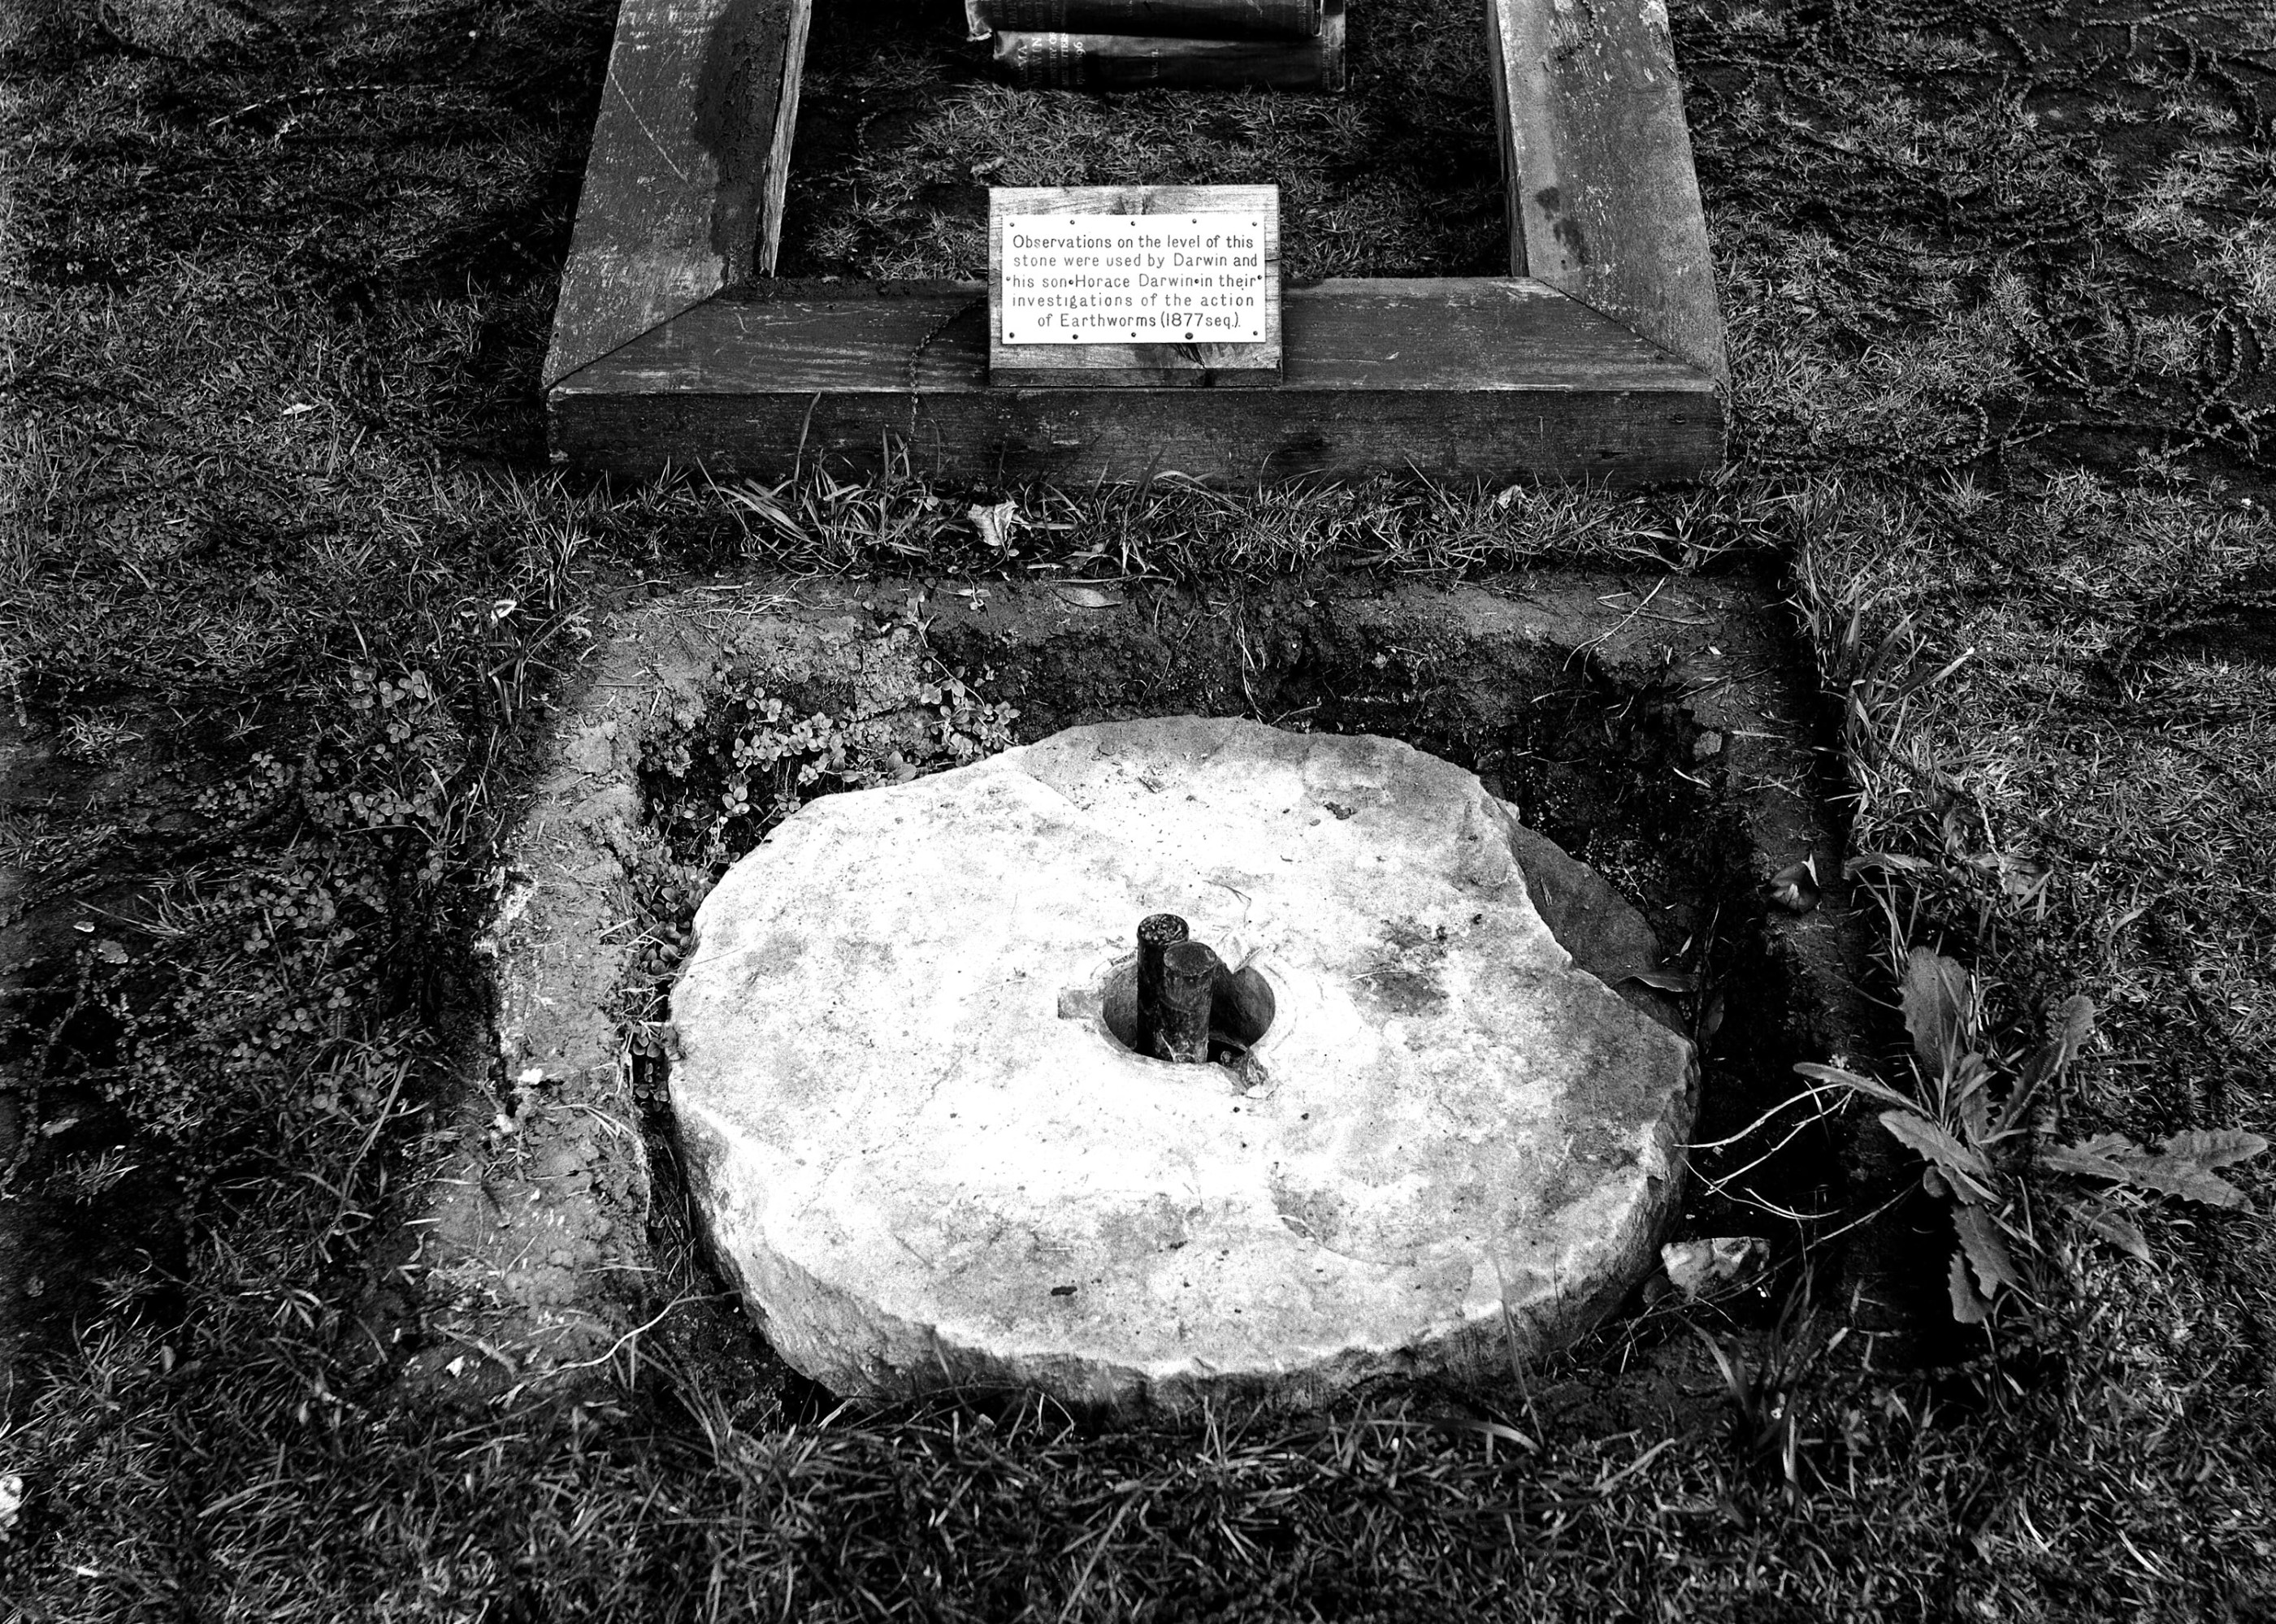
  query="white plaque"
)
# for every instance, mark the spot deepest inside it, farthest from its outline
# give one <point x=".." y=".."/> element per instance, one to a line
<point x="1156" y="278"/>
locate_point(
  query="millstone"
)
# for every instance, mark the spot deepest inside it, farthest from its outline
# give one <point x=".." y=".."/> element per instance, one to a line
<point x="926" y="1157"/>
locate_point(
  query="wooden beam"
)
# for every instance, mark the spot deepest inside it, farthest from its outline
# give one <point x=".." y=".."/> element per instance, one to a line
<point x="1476" y="377"/>
<point x="1596" y="162"/>
<point x="691" y="153"/>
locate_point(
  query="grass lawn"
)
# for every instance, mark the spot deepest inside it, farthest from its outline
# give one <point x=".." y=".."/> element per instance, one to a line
<point x="286" y="581"/>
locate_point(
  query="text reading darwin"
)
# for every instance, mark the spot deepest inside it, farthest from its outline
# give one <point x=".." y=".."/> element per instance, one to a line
<point x="1133" y="278"/>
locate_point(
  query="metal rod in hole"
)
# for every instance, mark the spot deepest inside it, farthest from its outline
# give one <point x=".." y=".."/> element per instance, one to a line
<point x="1189" y="972"/>
<point x="1155" y="932"/>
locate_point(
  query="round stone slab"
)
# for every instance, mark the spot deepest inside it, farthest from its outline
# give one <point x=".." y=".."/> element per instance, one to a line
<point x="925" y="1158"/>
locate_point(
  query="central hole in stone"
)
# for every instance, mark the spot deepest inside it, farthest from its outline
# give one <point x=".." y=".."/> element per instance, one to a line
<point x="1179" y="1001"/>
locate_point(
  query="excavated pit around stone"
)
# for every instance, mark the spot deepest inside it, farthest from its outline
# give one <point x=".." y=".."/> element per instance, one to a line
<point x="1657" y="730"/>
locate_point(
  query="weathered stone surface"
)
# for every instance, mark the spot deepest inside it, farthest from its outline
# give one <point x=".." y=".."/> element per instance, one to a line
<point x="925" y="1160"/>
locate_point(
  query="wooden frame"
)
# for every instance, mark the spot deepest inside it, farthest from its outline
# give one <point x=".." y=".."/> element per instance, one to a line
<point x="1600" y="356"/>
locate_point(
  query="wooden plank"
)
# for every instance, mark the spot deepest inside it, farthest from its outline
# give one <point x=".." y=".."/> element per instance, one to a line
<point x="1191" y="365"/>
<point x="1189" y="19"/>
<point x="1455" y="378"/>
<point x="1480" y="333"/>
<point x="683" y="185"/>
<point x="1123" y="62"/>
<point x="1596" y="161"/>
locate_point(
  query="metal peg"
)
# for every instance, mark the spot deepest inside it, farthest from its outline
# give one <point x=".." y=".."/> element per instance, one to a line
<point x="1181" y="1030"/>
<point x="1155" y="933"/>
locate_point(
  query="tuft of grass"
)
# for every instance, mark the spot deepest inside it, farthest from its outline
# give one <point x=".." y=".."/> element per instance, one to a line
<point x="1769" y="1396"/>
<point x="1173" y="529"/>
